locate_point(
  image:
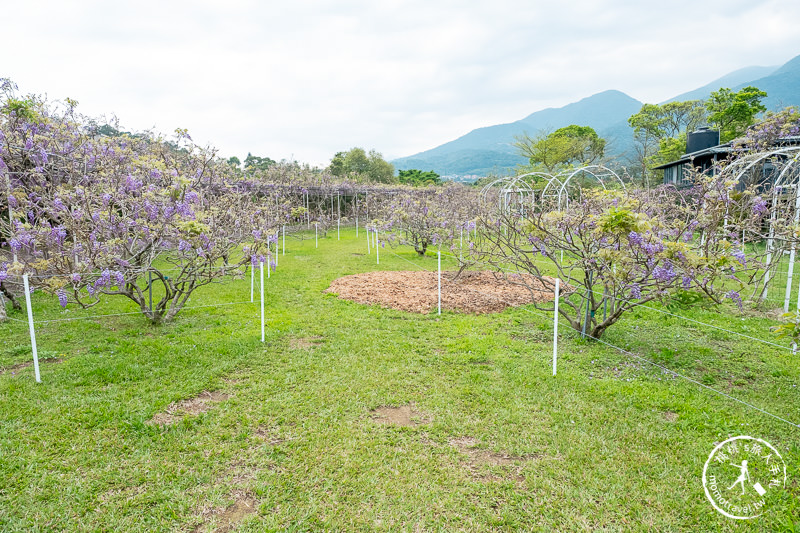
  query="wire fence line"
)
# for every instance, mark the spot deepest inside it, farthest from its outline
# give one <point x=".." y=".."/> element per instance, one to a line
<point x="622" y="350"/>
<point x="90" y="317"/>
<point x="537" y="313"/>
<point x="223" y="268"/>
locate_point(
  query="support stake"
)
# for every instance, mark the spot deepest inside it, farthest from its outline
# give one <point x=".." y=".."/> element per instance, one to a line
<point x="439" y="268"/>
<point x="555" y="328"/>
<point x="262" y="301"/>
<point x="30" y="326"/>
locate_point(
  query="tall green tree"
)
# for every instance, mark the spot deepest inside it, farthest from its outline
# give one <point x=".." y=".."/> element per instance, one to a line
<point x="370" y="166"/>
<point x="659" y="132"/>
<point x="670" y="119"/>
<point x="254" y="162"/>
<point x="733" y="112"/>
<point x="567" y="146"/>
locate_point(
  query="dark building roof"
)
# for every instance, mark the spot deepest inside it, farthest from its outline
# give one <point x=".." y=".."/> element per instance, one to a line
<point x="725" y="148"/>
<point x="708" y="152"/>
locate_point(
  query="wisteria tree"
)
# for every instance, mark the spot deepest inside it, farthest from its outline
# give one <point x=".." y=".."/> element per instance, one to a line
<point x="423" y="217"/>
<point x="616" y="250"/>
<point x="91" y="215"/>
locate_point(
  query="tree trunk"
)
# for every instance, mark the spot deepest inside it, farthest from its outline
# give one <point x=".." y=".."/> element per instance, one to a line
<point x="7" y="293"/>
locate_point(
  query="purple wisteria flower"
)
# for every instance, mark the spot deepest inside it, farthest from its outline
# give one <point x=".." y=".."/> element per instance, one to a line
<point x="62" y="297"/>
<point x="636" y="291"/>
<point x="759" y="206"/>
<point x="736" y="297"/>
<point x="635" y="239"/>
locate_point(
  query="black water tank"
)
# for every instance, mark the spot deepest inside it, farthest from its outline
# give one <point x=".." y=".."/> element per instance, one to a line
<point x="701" y="139"/>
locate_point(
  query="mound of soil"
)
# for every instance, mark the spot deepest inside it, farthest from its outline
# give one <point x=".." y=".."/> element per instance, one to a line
<point x="416" y="291"/>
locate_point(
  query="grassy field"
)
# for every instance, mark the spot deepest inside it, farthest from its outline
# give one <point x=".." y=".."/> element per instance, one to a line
<point x="484" y="437"/>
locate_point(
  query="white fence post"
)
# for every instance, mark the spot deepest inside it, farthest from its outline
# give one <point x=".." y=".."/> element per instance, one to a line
<point x="377" y="248"/>
<point x="30" y="326"/>
<point x="439" y="260"/>
<point x="555" y="329"/>
<point x="262" y="301"/>
<point x="284" y="240"/>
<point x="788" y="295"/>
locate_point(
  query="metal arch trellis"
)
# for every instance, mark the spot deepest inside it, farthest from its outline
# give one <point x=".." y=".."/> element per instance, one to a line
<point x="516" y="190"/>
<point x="780" y="184"/>
<point x="511" y="191"/>
<point x="741" y="168"/>
<point x="600" y="173"/>
<point x="558" y="187"/>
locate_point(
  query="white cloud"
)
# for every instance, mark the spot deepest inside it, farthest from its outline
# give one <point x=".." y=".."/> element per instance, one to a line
<point x="306" y="79"/>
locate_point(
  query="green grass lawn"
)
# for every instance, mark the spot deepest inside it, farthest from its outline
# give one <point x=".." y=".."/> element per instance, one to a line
<point x="495" y="441"/>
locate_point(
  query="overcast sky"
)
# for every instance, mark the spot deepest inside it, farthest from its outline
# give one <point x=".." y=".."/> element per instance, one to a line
<point x="304" y="79"/>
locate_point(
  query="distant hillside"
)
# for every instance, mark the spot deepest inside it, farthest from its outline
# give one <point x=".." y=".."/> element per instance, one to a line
<point x="489" y="150"/>
<point x="782" y="86"/>
<point x="742" y="77"/>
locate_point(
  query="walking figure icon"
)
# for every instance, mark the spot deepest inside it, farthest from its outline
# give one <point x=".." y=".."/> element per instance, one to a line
<point x="744" y="475"/>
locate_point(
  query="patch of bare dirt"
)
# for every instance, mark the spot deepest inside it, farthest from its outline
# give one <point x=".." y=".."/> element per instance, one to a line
<point x="271" y="436"/>
<point x="416" y="291"/>
<point x="478" y="458"/>
<point x="669" y="416"/>
<point x="13" y="369"/>
<point x="227" y="518"/>
<point x="189" y="407"/>
<point x="128" y="494"/>
<point x="305" y="343"/>
<point x="405" y="415"/>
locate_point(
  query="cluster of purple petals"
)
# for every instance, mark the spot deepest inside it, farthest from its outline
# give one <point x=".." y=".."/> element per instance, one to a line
<point x="736" y="297"/>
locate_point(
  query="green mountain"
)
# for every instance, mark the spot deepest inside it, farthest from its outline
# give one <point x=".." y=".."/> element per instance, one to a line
<point x="742" y="77"/>
<point x="782" y="86"/>
<point x="489" y="150"/>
